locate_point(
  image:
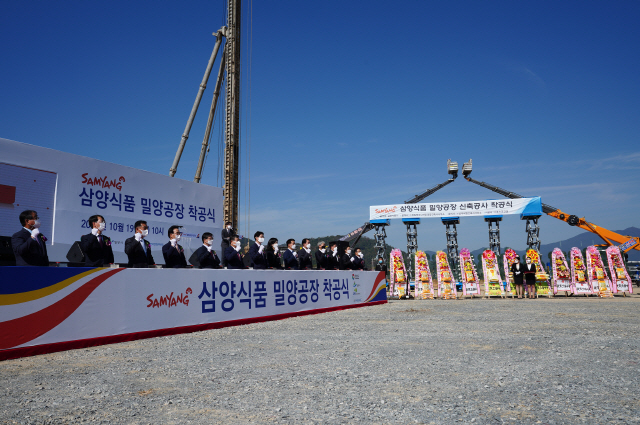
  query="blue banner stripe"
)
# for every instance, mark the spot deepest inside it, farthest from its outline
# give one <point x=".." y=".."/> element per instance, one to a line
<point x="14" y="280"/>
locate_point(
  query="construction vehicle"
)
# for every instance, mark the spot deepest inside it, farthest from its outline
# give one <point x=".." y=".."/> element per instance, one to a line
<point x="625" y="243"/>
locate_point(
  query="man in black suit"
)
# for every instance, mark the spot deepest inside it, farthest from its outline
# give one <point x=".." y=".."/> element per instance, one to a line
<point x="206" y="255"/>
<point x="321" y="258"/>
<point x="256" y="251"/>
<point x="358" y="260"/>
<point x="96" y="246"/>
<point x="227" y="233"/>
<point x="232" y="254"/>
<point x="304" y="255"/>
<point x="138" y="249"/>
<point x="290" y="256"/>
<point x="346" y="260"/>
<point x="333" y="259"/>
<point x="28" y="243"/>
<point x="172" y="252"/>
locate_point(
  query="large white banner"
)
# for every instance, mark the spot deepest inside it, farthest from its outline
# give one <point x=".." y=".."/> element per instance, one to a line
<point x="456" y="209"/>
<point x="66" y="189"/>
<point x="43" y="306"/>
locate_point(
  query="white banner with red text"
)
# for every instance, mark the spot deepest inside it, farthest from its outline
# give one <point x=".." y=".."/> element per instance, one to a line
<point x="57" y="308"/>
<point x="458" y="209"/>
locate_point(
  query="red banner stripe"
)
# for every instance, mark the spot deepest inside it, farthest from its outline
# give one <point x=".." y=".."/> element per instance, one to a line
<point x="27" y="328"/>
<point x="15" y="353"/>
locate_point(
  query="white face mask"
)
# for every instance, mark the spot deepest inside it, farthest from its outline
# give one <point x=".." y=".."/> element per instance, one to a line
<point x="348" y="251"/>
<point x="323" y="250"/>
<point x="101" y="226"/>
<point x="36" y="224"/>
<point x="209" y="242"/>
<point x="237" y="247"/>
<point x="360" y="255"/>
<point x="307" y="246"/>
<point x="293" y="246"/>
<point x="145" y="233"/>
<point x="177" y="237"/>
<point x="260" y="240"/>
<point x="275" y="246"/>
<point x="228" y="227"/>
<point x="335" y="250"/>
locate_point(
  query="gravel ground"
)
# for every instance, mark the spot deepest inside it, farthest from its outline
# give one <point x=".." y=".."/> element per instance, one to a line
<point x="552" y="361"/>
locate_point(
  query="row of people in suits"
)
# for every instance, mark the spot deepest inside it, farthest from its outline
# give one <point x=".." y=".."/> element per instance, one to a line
<point x="269" y="257"/>
<point x="29" y="245"/>
<point x="30" y="249"/>
<point x="261" y="256"/>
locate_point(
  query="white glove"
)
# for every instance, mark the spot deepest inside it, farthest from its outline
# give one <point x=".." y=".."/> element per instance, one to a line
<point x="260" y="249"/>
<point x="295" y="254"/>
<point x="209" y="248"/>
<point x="94" y="231"/>
<point x="35" y="233"/>
<point x="352" y="259"/>
<point x="173" y="242"/>
<point x="138" y="236"/>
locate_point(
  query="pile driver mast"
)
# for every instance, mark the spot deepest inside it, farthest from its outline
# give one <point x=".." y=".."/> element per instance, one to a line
<point x="231" y="62"/>
<point x="232" y="133"/>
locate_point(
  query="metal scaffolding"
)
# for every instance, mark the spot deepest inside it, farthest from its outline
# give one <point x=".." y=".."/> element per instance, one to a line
<point x="533" y="232"/>
<point x="494" y="233"/>
<point x="412" y="244"/>
<point x="380" y="237"/>
<point x="452" y="243"/>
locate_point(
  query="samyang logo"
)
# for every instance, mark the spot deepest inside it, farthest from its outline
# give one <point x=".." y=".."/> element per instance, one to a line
<point x="103" y="182"/>
<point x="169" y="300"/>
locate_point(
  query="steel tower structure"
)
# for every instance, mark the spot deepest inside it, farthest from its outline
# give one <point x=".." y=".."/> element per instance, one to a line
<point x="232" y="121"/>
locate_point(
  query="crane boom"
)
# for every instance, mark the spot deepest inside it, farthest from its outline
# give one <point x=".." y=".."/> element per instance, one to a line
<point x="607" y="235"/>
<point x="429" y="192"/>
<point x="547" y="209"/>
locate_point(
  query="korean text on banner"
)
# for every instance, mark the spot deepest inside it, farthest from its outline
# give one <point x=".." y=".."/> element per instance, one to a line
<point x="66" y="189"/>
<point x="457" y="209"/>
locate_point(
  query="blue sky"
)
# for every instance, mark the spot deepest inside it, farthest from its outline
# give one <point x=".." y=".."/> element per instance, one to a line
<point x="348" y="106"/>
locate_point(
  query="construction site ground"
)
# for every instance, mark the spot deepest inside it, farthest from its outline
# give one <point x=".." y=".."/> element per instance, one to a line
<point x="549" y="360"/>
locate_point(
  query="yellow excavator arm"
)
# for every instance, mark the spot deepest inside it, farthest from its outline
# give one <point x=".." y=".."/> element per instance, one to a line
<point x="611" y="238"/>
